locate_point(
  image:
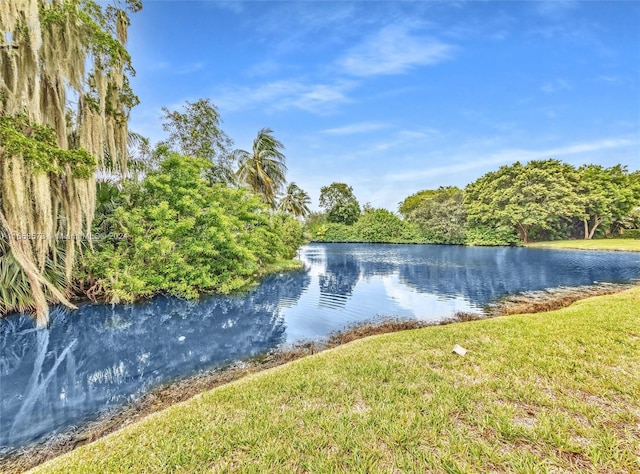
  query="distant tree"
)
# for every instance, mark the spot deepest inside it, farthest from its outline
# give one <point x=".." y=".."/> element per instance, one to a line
<point x="410" y="203"/>
<point x="606" y="195"/>
<point x="263" y="168"/>
<point x="537" y="195"/>
<point x="196" y="132"/>
<point x="340" y="203"/>
<point x="295" y="201"/>
<point x="440" y="214"/>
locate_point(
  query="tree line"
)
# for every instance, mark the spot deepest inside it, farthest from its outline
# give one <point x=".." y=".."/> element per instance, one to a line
<point x="539" y="200"/>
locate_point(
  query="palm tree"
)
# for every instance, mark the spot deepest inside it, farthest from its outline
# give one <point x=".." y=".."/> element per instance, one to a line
<point x="263" y="169"/>
<point x="296" y="201"/>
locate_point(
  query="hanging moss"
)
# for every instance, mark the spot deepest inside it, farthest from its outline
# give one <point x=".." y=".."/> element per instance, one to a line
<point x="49" y="147"/>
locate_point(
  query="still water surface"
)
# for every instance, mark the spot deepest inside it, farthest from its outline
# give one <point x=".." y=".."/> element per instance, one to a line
<point x="100" y="357"/>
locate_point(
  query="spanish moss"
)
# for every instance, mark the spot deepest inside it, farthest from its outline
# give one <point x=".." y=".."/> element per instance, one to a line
<point x="64" y="104"/>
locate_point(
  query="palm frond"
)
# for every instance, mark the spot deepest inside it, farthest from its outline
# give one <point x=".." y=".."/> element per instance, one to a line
<point x="263" y="169"/>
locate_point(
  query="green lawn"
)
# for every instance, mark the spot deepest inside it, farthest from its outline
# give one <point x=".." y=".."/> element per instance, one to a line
<point x="548" y="392"/>
<point x="632" y="245"/>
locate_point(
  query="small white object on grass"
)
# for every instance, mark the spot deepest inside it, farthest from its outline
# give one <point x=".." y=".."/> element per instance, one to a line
<point x="181" y="338"/>
<point x="461" y="351"/>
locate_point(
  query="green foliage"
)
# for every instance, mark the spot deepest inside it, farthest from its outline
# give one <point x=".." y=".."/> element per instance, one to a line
<point x="196" y="132"/>
<point x="440" y="214"/>
<point x="313" y="224"/>
<point x="334" y="232"/>
<point x="291" y="234"/>
<point x="485" y="235"/>
<point x="182" y="235"/>
<point x="375" y="225"/>
<point x="630" y="234"/>
<point x="295" y="202"/>
<point x="340" y="203"/>
<point x="15" y="290"/>
<point x="631" y="220"/>
<point x="37" y="146"/>
<point x="410" y="203"/>
<point x="538" y="195"/>
<point x="315" y="219"/>
<point x="108" y="198"/>
<point x="263" y="169"/>
<point x="607" y="196"/>
<point x="380" y="225"/>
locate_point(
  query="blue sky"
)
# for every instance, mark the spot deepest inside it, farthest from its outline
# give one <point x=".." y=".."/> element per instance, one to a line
<point x="393" y="97"/>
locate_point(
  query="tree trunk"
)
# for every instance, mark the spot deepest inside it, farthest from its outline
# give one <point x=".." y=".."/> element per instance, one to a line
<point x="524" y="234"/>
<point x="586" y="228"/>
<point x="588" y="234"/>
<point x="597" y="222"/>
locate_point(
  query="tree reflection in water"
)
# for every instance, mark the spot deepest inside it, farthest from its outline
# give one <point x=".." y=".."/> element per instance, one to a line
<point x="102" y="356"/>
<point x="341" y="275"/>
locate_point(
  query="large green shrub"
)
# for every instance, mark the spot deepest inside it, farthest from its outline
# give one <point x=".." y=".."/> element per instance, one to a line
<point x="181" y="234"/>
<point x="630" y="234"/>
<point x="333" y="232"/>
<point x="485" y="235"/>
<point x="291" y="234"/>
<point x="380" y="225"/>
<point x="439" y="214"/>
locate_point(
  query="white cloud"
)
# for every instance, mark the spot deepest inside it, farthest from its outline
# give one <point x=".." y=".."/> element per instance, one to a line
<point x="432" y="307"/>
<point x="286" y="94"/>
<point x="556" y="85"/>
<point x="264" y="68"/>
<point x="180" y="70"/>
<point x="394" y="50"/>
<point x="613" y="80"/>
<point x="361" y="127"/>
<point x="509" y="156"/>
<point x="554" y="9"/>
<point x="234" y="6"/>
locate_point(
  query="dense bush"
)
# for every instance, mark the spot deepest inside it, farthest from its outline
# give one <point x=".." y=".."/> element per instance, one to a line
<point x="484" y="235"/>
<point x="375" y="225"/>
<point x="440" y="214"/>
<point x="290" y="231"/>
<point x="181" y="234"/>
<point x="332" y="232"/>
<point x="380" y="225"/>
<point x="630" y="234"/>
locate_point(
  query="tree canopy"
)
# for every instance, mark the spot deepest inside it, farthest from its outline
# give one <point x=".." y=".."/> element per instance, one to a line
<point x="295" y="201"/>
<point x="607" y="195"/>
<point x="263" y="168"/>
<point x="196" y="132"/>
<point x="183" y="235"/>
<point x="440" y="214"/>
<point x="340" y="203"/>
<point x="538" y="195"/>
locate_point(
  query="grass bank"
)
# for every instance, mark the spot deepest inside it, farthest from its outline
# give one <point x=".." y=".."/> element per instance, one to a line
<point x="535" y="393"/>
<point x="631" y="245"/>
